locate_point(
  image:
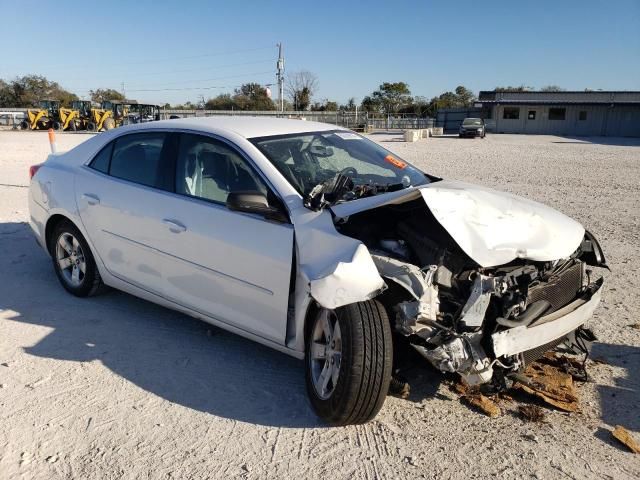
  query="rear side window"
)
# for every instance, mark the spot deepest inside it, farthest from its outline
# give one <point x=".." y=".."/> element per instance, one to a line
<point x="138" y="158"/>
<point x="101" y="161"/>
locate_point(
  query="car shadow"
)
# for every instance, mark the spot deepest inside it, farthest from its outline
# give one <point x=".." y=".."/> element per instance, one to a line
<point x="620" y="403"/>
<point x="164" y="352"/>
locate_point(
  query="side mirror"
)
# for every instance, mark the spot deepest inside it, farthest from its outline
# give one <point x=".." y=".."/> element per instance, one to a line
<point x="255" y="202"/>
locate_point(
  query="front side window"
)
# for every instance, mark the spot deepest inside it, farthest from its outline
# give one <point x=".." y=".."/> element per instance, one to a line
<point x="511" y="113"/>
<point x="137" y="158"/>
<point x="309" y="159"/>
<point x="557" y="113"/>
<point x="209" y="169"/>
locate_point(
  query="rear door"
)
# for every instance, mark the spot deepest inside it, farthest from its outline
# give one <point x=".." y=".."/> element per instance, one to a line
<point x="122" y="198"/>
<point x="233" y="266"/>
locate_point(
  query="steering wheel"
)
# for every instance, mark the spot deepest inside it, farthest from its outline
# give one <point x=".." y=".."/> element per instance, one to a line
<point x="349" y="171"/>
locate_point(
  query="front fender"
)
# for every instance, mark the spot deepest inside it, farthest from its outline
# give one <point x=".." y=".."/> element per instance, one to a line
<point x="355" y="279"/>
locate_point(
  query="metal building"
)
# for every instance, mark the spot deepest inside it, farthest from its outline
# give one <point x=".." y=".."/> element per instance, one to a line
<point x="615" y="114"/>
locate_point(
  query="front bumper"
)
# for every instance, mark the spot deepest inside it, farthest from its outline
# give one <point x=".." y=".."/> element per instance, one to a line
<point x="471" y="133"/>
<point x="551" y="327"/>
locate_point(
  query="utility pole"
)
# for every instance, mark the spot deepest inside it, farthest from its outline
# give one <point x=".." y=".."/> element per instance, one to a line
<point x="280" y="77"/>
<point x="123" y="94"/>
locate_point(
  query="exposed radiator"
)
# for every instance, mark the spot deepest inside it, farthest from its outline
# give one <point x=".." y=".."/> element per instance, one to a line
<point x="560" y="289"/>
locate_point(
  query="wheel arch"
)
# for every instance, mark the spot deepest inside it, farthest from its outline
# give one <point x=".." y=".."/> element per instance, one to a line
<point x="53" y="221"/>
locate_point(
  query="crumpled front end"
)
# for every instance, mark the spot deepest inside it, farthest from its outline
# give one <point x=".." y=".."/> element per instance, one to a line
<point x="458" y="309"/>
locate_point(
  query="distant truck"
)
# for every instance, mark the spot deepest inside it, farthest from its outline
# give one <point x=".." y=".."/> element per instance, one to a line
<point x="472" y="127"/>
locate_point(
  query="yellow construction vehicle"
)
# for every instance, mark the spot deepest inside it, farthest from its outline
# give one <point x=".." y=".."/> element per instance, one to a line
<point x="43" y="117"/>
<point x="110" y="115"/>
<point x="75" y="118"/>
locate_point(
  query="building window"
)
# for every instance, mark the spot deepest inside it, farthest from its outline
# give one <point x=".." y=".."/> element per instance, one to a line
<point x="531" y="115"/>
<point x="511" y="113"/>
<point x="557" y="113"/>
<point x="582" y="115"/>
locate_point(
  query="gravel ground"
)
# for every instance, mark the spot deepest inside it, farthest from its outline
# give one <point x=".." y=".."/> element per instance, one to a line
<point x="115" y="387"/>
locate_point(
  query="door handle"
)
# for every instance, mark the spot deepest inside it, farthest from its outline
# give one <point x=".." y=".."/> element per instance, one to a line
<point x="91" y="198"/>
<point x="174" y="225"/>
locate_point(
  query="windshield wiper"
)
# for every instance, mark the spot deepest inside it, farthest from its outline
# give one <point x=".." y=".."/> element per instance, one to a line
<point x="329" y="192"/>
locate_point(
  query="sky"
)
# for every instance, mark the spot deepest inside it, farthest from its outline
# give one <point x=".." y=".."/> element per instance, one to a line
<point x="174" y="51"/>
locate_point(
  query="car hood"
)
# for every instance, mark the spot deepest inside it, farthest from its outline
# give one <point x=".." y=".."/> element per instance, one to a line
<point x="493" y="228"/>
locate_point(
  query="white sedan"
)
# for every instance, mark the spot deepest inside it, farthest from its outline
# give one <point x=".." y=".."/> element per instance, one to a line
<point x="320" y="243"/>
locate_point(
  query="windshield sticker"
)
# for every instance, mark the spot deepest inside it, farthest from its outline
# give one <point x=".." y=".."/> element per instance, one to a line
<point x="395" y="162"/>
<point x="348" y="136"/>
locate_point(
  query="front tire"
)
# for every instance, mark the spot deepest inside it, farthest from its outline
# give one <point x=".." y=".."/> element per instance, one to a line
<point x="73" y="261"/>
<point x="348" y="358"/>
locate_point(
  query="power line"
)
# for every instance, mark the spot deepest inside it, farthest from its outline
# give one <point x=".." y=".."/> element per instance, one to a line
<point x="201" y="56"/>
<point x="210" y="67"/>
<point x="55" y="67"/>
<point x="210" y="79"/>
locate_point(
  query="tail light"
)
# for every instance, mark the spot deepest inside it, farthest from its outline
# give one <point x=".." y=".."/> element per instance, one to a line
<point x="33" y="169"/>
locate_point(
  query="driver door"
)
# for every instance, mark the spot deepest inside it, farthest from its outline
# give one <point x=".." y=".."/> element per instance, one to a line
<point x="233" y="266"/>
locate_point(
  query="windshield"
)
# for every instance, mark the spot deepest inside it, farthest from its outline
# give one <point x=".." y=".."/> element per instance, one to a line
<point x="312" y="158"/>
<point x="472" y="121"/>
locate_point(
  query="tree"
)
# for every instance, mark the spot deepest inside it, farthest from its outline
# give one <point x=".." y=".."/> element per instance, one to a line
<point x="392" y="96"/>
<point x="28" y="90"/>
<point x="325" y="106"/>
<point x="371" y="104"/>
<point x="223" y="101"/>
<point x="418" y="106"/>
<point x="300" y="87"/>
<point x="101" y="94"/>
<point x="466" y="98"/>
<point x="521" y="88"/>
<point x="552" y="88"/>
<point x="350" y="106"/>
<point x="6" y="95"/>
<point x="252" y="96"/>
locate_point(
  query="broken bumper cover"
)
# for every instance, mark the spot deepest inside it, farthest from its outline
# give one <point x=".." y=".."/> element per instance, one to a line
<point x="551" y="327"/>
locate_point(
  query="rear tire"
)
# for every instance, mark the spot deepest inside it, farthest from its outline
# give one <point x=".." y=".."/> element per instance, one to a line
<point x="91" y="127"/>
<point x="71" y="254"/>
<point x="365" y="362"/>
<point x="24" y="125"/>
<point x="56" y="126"/>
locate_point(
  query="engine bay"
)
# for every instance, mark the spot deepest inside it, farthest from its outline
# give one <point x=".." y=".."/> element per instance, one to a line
<point x="447" y="305"/>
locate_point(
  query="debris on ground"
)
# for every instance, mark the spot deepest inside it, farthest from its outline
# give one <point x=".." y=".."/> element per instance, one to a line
<point x="635" y="325"/>
<point x="550" y="379"/>
<point x="399" y="388"/>
<point x="624" y="436"/>
<point x="473" y="397"/>
<point x="482" y="403"/>
<point x="551" y="385"/>
<point x="531" y="413"/>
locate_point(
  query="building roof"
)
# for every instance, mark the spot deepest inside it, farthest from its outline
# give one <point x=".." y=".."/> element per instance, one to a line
<point x="571" y="97"/>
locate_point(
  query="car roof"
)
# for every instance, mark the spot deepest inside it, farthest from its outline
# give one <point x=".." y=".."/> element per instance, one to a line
<point x="245" y="126"/>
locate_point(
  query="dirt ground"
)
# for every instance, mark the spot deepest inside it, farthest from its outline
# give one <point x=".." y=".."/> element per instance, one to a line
<point x="116" y="387"/>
